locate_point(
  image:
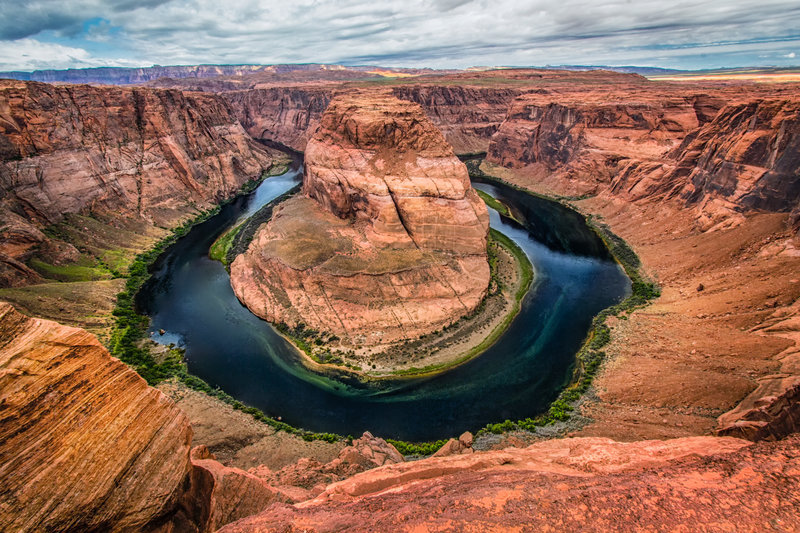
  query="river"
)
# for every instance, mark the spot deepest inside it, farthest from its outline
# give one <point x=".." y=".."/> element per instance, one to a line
<point x="189" y="296"/>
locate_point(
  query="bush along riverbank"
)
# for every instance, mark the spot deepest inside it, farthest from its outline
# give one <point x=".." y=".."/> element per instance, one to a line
<point x="130" y="343"/>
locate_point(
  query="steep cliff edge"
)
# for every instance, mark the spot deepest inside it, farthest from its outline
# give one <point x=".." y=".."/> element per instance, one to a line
<point x="584" y="137"/>
<point x="722" y="157"/>
<point x="388" y="241"/>
<point x="112" y="153"/>
<point x="467" y="116"/>
<point x="88" y="446"/>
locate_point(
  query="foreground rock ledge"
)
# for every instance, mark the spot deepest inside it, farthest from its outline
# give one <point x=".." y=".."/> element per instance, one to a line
<point x="86" y="445"/>
<point x="388" y="240"/>
<point x="588" y="484"/>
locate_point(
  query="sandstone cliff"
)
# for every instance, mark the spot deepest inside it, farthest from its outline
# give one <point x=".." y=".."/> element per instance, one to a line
<point x="585" y="137"/>
<point x="146" y="154"/>
<point x="86" y="445"/>
<point x="720" y="158"/>
<point x="467" y="116"/>
<point x="388" y="241"/>
<point x="288" y="115"/>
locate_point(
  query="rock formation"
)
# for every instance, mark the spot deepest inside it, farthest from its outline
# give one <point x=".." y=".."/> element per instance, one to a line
<point x="585" y="137"/>
<point x="151" y="154"/>
<point x="388" y="241"/>
<point x="86" y="445"/>
<point x="706" y="483"/>
<point x="288" y="115"/>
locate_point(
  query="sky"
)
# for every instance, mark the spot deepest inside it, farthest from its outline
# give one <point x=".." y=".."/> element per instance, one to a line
<point x="57" y="34"/>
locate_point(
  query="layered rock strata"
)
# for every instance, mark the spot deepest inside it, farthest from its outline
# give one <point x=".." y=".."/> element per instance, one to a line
<point x="155" y="155"/>
<point x="723" y="159"/>
<point x="388" y="240"/>
<point x="86" y="445"/>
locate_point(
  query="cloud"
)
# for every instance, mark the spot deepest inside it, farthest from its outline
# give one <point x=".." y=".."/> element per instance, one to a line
<point x="437" y="33"/>
<point x="30" y="54"/>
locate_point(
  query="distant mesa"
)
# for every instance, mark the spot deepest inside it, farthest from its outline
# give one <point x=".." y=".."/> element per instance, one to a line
<point x="387" y="241"/>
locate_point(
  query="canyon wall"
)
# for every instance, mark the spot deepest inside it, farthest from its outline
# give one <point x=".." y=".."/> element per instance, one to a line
<point x="467" y="116"/>
<point x="153" y="155"/>
<point x="722" y="157"/>
<point x="288" y="115"/>
<point x="388" y="241"/>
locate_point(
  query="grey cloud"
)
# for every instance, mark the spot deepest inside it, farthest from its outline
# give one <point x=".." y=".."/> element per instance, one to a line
<point x="440" y="33"/>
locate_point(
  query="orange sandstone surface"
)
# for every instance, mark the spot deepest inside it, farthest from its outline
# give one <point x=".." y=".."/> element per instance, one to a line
<point x="387" y="241"/>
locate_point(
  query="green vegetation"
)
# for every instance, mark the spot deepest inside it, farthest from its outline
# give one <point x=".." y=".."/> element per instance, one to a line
<point x="84" y="269"/>
<point x="494" y="203"/>
<point x="219" y="250"/>
<point x="417" y="448"/>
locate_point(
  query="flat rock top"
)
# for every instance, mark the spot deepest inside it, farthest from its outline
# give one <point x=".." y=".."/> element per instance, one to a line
<point x="381" y="122"/>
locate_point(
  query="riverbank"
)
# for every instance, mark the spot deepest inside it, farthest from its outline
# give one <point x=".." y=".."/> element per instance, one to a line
<point x="511" y="278"/>
<point x="722" y="325"/>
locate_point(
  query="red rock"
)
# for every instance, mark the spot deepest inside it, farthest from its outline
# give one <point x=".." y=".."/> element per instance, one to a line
<point x="389" y="242"/>
<point x="141" y="153"/>
<point x="699" y="483"/>
<point x="218" y="495"/>
<point x="770" y="412"/>
<point x="86" y="444"/>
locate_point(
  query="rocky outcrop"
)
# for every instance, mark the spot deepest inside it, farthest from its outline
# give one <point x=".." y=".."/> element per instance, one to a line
<point x="564" y="485"/>
<point x="467" y="116"/>
<point x="218" y="495"/>
<point x="722" y="159"/>
<point x="86" y="444"/>
<point x="307" y="477"/>
<point x="388" y="241"/>
<point x="770" y="412"/>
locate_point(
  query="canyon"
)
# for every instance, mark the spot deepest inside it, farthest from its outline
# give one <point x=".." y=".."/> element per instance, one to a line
<point x="700" y="178"/>
<point x="388" y="240"/>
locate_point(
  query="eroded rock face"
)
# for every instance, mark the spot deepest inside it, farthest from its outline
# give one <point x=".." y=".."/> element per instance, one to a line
<point x="141" y="151"/>
<point x="647" y="146"/>
<point x="86" y="444"/>
<point x="157" y="155"/>
<point x="564" y="485"/>
<point x="388" y="241"/>
<point x="585" y="137"/>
